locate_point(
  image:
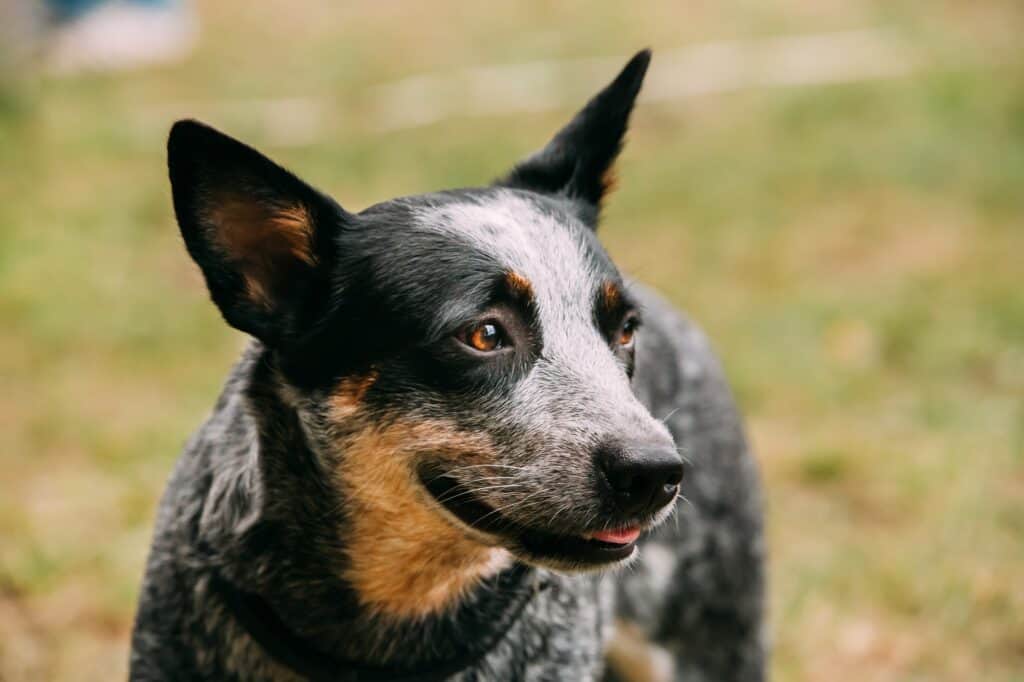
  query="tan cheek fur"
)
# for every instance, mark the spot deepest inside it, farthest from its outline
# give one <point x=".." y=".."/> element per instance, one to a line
<point x="349" y="394"/>
<point x="405" y="559"/>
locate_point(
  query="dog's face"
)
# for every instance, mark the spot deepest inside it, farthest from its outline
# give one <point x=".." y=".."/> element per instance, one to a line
<point x="460" y="358"/>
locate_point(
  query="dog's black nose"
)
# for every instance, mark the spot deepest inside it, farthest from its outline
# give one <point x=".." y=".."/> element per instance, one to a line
<point x="643" y="478"/>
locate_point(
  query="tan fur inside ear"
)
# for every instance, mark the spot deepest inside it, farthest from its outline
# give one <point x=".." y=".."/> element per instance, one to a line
<point x="267" y="242"/>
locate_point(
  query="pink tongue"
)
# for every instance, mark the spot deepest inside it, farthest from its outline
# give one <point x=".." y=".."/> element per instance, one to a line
<point x="618" y="537"/>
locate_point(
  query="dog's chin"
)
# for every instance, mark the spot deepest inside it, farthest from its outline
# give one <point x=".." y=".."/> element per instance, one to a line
<point x="537" y="546"/>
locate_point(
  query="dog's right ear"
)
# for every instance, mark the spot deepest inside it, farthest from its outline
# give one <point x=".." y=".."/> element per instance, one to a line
<point x="578" y="161"/>
<point x="263" y="238"/>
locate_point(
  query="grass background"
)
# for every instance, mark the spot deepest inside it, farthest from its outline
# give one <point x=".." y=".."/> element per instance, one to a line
<point x="856" y="252"/>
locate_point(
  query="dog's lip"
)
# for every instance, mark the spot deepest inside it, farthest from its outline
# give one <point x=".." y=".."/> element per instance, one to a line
<point x="619" y="536"/>
<point x="590" y="547"/>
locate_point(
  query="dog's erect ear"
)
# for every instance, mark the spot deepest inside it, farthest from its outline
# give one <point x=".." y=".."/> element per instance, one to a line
<point x="262" y="237"/>
<point x="578" y="160"/>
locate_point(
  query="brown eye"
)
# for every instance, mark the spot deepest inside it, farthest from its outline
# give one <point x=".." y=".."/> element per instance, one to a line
<point x="484" y="337"/>
<point x="628" y="332"/>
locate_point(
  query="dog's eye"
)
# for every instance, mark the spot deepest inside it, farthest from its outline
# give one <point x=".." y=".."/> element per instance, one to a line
<point x="627" y="334"/>
<point x="484" y="337"/>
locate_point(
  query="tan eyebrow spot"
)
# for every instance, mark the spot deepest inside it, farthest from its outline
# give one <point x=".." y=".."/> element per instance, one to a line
<point x="611" y="294"/>
<point x="519" y="284"/>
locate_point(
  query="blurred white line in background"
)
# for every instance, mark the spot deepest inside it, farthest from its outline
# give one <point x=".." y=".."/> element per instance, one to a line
<point x="675" y="74"/>
<point x="275" y="121"/>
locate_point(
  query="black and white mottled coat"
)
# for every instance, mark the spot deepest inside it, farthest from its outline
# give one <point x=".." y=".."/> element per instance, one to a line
<point x="304" y="485"/>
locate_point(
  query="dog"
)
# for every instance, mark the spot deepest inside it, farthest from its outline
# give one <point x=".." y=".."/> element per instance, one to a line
<point x="453" y="417"/>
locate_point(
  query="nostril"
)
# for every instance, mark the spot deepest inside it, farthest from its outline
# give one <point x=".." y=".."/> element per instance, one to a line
<point x="621" y="481"/>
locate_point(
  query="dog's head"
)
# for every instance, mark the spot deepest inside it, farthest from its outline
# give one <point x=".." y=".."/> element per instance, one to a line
<point x="460" y="358"/>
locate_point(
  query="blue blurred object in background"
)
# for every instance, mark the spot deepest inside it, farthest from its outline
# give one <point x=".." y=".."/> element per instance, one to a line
<point x="104" y="35"/>
<point x="69" y="10"/>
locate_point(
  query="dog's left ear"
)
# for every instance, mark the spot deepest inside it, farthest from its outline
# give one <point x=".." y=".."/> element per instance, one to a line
<point x="578" y="161"/>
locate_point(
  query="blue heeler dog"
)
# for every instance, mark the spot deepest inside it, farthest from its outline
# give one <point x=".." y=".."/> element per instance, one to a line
<point x="454" y="413"/>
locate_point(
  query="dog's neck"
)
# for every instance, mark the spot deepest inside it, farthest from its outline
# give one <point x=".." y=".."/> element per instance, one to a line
<point x="255" y="616"/>
<point x="353" y="576"/>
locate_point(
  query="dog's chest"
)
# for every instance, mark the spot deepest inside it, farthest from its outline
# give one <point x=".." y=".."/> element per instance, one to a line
<point x="561" y="635"/>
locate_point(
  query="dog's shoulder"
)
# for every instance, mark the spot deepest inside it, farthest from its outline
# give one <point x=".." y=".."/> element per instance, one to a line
<point x="206" y="472"/>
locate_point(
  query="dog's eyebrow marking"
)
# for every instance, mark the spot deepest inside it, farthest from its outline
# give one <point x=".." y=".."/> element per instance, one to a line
<point x="612" y="295"/>
<point x="543" y="247"/>
<point x="518" y="284"/>
<point x="611" y="302"/>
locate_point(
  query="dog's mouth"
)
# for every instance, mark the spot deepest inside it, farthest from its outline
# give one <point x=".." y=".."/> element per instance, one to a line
<point x="587" y="549"/>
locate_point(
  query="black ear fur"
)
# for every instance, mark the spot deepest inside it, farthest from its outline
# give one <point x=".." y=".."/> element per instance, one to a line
<point x="577" y="162"/>
<point x="261" y="236"/>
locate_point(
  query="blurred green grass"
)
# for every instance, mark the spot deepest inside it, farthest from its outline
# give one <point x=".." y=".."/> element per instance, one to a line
<point x="855" y="251"/>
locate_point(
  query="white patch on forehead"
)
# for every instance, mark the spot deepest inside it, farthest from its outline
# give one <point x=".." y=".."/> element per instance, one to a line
<point x="545" y="249"/>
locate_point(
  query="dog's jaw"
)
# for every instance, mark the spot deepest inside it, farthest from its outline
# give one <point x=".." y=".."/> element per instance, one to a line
<point x="584" y="551"/>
